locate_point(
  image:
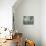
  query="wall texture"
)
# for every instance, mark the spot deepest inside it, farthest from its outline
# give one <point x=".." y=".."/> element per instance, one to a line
<point x="43" y="22"/>
<point x="6" y="13"/>
<point x="29" y="8"/>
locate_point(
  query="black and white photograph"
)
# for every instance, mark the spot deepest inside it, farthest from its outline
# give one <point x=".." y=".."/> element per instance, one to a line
<point x="28" y="20"/>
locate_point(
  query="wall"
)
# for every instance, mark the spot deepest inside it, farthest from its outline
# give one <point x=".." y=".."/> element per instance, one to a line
<point x="6" y="13"/>
<point x="26" y="29"/>
<point x="29" y="8"/>
<point x="43" y="22"/>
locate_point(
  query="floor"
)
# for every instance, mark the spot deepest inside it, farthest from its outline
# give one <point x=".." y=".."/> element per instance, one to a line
<point x="9" y="43"/>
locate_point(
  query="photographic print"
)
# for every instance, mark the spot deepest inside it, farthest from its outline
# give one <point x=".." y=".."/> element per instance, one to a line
<point x="28" y="20"/>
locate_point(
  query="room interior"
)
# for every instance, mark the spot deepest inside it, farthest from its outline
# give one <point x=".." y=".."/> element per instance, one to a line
<point x="22" y="23"/>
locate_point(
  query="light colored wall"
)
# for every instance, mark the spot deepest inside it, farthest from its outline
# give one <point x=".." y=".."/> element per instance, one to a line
<point x="6" y="13"/>
<point x="29" y="8"/>
<point x="43" y="22"/>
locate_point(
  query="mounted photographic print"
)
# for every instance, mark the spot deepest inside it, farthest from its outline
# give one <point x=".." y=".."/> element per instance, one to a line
<point x="28" y="20"/>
